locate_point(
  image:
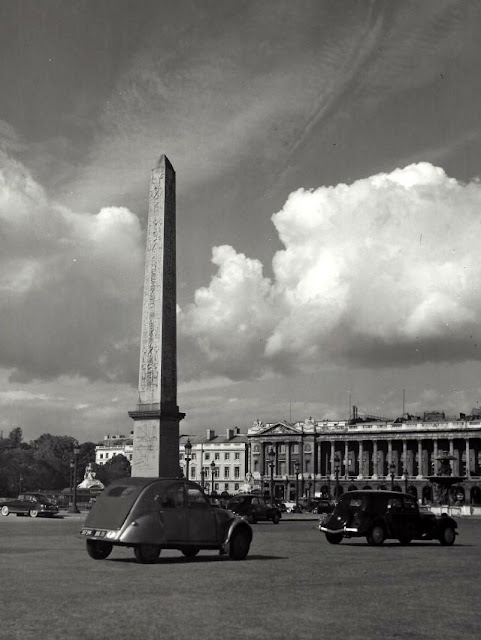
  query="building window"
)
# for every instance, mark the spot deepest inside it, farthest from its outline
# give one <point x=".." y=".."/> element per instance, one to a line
<point x="308" y="447"/>
<point x="237" y="456"/>
<point x="236" y="486"/>
<point x="192" y="472"/>
<point x="308" y="466"/>
<point x="217" y="456"/>
<point x="130" y="457"/>
<point x="101" y="456"/>
<point x="216" y="472"/>
<point x="256" y="465"/>
<point x="226" y="473"/>
<point x="194" y="456"/>
<point x="106" y="455"/>
<point x="216" y="486"/>
<point x="226" y="456"/>
<point x="295" y="448"/>
<point x="226" y="486"/>
<point x="257" y="448"/>
<point x="181" y="456"/>
<point x="282" y="449"/>
<point x="236" y="472"/>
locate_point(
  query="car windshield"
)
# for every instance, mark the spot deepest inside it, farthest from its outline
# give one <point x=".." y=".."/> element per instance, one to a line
<point x="113" y="505"/>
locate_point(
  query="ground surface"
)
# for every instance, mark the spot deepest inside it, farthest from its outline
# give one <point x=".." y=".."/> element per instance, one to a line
<point x="293" y="585"/>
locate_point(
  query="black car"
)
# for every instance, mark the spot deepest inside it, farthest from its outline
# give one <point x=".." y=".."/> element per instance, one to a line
<point x="254" y="507"/>
<point x="379" y="515"/>
<point x="322" y="505"/>
<point x="31" y="503"/>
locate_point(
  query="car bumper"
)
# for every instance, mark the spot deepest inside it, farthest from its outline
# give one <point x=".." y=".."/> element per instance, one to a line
<point x="348" y="530"/>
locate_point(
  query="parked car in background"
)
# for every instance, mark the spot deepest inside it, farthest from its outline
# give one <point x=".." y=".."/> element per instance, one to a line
<point x="379" y="515"/>
<point x="151" y="514"/>
<point x="254" y="507"/>
<point x="31" y="504"/>
<point x="322" y="505"/>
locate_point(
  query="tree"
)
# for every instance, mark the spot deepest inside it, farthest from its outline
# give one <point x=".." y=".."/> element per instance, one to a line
<point x="117" y="467"/>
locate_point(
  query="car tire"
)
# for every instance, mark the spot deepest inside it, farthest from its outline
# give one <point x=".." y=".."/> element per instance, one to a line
<point x="276" y="519"/>
<point x="334" y="538"/>
<point x="376" y="536"/>
<point x="5" y="511"/>
<point x="190" y="552"/>
<point x="33" y="513"/>
<point x="405" y="540"/>
<point x="239" y="545"/>
<point x="147" y="553"/>
<point x="447" y="537"/>
<point x="98" y="549"/>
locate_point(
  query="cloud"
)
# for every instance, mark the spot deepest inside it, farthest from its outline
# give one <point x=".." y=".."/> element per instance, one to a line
<point x="68" y="283"/>
<point x="381" y="272"/>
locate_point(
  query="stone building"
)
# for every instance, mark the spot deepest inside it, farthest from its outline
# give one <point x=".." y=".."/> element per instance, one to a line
<point x="228" y="453"/>
<point x="112" y="445"/>
<point x="375" y="454"/>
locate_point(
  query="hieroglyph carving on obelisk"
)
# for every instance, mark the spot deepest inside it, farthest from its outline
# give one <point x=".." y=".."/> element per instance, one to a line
<point x="156" y="428"/>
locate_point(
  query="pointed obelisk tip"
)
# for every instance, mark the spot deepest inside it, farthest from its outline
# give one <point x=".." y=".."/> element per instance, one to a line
<point x="164" y="162"/>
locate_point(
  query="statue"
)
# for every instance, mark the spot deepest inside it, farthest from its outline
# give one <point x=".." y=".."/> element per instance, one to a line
<point x="90" y="481"/>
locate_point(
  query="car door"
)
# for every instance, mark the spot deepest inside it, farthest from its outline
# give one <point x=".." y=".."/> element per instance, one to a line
<point x="202" y="522"/>
<point x="173" y="512"/>
<point x="394" y="518"/>
<point x="414" y="521"/>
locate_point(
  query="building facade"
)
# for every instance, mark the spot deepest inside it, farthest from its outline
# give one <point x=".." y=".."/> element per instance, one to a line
<point x="112" y="446"/>
<point x="308" y="456"/>
<point x="217" y="462"/>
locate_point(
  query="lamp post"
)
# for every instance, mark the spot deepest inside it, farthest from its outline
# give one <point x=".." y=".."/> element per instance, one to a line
<point x="286" y="488"/>
<point x="272" y="456"/>
<point x="309" y="487"/>
<point x="296" y="470"/>
<point x="212" y="471"/>
<point x="337" y="467"/>
<point x="20" y="482"/>
<point x="392" y="468"/>
<point x="405" y="474"/>
<point x="73" y="506"/>
<point x="187" y="450"/>
<point x="202" y="478"/>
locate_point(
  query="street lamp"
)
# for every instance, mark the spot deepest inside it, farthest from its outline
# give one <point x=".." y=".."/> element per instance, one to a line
<point x="286" y="488"/>
<point x="73" y="505"/>
<point x="405" y="474"/>
<point x="212" y="471"/>
<point x="309" y="487"/>
<point x="20" y="482"/>
<point x="392" y="468"/>
<point x="272" y="456"/>
<point x="337" y="467"/>
<point x="187" y="450"/>
<point x="296" y="470"/>
<point x="202" y="477"/>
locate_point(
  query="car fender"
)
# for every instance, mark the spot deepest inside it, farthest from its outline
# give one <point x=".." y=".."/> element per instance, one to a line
<point x="445" y="521"/>
<point x="147" y="528"/>
<point x="236" y="525"/>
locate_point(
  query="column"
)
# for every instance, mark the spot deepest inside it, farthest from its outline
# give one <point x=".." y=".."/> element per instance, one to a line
<point x="389" y="457"/>
<point x="333" y="447"/>
<point x="346" y="459"/>
<point x="420" y="458"/>
<point x="468" y="467"/>
<point x="361" y="456"/>
<point x="405" y="458"/>
<point x="374" y="459"/>
<point x="435" y="455"/>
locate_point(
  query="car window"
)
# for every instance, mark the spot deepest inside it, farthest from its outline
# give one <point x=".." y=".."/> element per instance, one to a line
<point x="196" y="499"/>
<point x="173" y="497"/>
<point x="121" y="491"/>
<point x="410" y="504"/>
<point x="394" y="504"/>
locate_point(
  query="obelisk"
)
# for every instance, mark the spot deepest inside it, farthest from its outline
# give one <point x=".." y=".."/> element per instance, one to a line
<point x="157" y="417"/>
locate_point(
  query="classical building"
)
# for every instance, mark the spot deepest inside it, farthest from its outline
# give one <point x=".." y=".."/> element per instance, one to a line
<point x="221" y="458"/>
<point x="112" y="446"/>
<point x="307" y="456"/>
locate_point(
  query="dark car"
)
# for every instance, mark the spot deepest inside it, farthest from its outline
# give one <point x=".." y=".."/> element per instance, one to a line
<point x="150" y="514"/>
<point x="379" y="515"/>
<point x="254" y="507"/>
<point x="31" y="504"/>
<point x="322" y="505"/>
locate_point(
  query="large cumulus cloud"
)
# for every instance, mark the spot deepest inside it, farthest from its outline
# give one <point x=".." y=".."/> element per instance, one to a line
<point x="384" y="271"/>
<point x="68" y="281"/>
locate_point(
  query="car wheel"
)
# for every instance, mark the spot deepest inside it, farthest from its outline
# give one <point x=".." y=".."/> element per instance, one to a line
<point x="447" y="537"/>
<point x="239" y="545"/>
<point x="404" y="540"/>
<point x="276" y="519"/>
<point x="33" y="513"/>
<point x="376" y="536"/>
<point x="98" y="549"/>
<point x="147" y="553"/>
<point x="5" y="511"/>
<point x="190" y="552"/>
<point x="334" y="538"/>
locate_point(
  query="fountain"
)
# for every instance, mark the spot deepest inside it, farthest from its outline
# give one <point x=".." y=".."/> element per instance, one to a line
<point x="444" y="479"/>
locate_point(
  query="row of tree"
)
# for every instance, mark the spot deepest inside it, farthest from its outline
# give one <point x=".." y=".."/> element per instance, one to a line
<point x="44" y="463"/>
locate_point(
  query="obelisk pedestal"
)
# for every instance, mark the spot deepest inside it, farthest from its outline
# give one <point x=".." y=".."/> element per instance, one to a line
<point x="157" y="417"/>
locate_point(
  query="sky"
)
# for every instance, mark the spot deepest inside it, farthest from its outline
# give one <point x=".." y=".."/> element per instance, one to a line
<point x="328" y="163"/>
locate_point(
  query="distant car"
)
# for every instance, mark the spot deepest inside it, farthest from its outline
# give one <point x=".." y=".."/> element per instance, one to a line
<point x="322" y="505"/>
<point x="293" y="507"/>
<point x="254" y="507"/>
<point x="151" y="514"/>
<point x="379" y="515"/>
<point x="31" y="504"/>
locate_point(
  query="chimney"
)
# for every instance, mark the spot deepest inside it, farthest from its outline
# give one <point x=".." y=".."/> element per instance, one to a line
<point x="210" y="434"/>
<point x="229" y="434"/>
<point x="237" y="431"/>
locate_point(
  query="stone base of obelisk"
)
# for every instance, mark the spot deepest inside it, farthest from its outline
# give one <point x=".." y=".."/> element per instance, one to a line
<point x="156" y="444"/>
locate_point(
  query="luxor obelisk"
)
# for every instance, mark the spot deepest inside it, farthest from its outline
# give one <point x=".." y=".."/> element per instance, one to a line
<point x="157" y="417"/>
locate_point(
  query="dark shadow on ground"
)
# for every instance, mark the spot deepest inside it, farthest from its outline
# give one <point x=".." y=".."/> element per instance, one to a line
<point x="397" y="545"/>
<point x="198" y="559"/>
